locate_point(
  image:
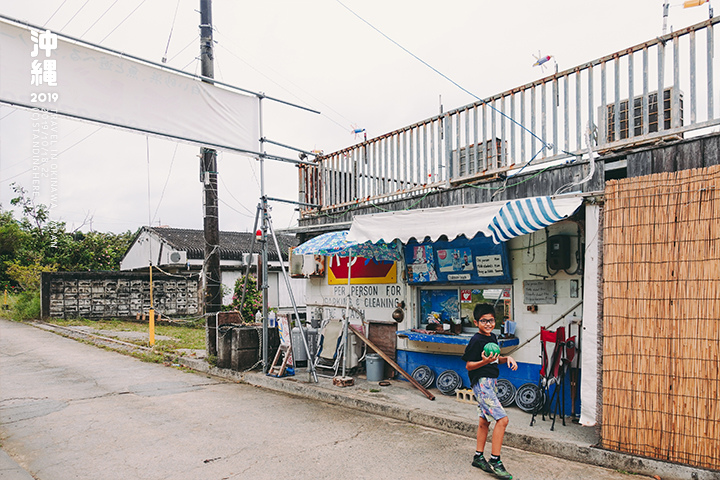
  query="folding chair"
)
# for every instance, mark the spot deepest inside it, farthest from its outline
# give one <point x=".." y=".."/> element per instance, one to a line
<point x="330" y="347"/>
<point x="552" y="372"/>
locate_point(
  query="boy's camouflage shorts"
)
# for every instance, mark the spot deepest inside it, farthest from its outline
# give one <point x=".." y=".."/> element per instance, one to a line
<point x="488" y="404"/>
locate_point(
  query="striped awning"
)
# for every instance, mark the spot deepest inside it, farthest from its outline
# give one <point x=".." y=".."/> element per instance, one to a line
<point x="527" y="215"/>
<point x="499" y="220"/>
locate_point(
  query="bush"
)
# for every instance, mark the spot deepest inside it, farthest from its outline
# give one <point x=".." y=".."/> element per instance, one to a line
<point x="253" y="299"/>
<point x="27" y="306"/>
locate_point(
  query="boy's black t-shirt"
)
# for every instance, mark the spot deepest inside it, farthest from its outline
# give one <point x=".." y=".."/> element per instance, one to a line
<point x="473" y="353"/>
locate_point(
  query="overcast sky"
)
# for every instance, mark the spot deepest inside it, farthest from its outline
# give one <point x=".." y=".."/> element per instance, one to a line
<point x="315" y="53"/>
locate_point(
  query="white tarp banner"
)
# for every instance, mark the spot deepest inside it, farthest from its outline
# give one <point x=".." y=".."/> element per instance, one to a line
<point x="41" y="70"/>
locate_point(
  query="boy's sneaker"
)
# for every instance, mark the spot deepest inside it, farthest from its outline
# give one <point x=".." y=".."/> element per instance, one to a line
<point x="499" y="470"/>
<point x="480" y="462"/>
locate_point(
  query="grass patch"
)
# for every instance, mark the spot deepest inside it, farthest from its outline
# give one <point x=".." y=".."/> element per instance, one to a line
<point x="185" y="336"/>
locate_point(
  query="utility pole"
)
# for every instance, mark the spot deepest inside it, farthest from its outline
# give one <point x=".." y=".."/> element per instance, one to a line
<point x="208" y="169"/>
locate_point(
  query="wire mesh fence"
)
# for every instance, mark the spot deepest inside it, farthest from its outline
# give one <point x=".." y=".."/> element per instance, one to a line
<point x="661" y="363"/>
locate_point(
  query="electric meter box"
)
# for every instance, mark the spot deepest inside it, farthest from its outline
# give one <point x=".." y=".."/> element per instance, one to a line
<point x="558" y="252"/>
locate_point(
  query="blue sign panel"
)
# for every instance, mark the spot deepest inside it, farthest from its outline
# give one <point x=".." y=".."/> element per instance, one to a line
<point x="476" y="261"/>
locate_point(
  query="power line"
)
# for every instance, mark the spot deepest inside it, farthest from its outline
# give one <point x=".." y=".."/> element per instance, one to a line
<point x="10" y="113"/>
<point x="192" y="42"/>
<point x="545" y="144"/>
<point x="71" y="18"/>
<point x="233" y="196"/>
<point x="234" y="209"/>
<point x="172" y="27"/>
<point x="123" y="21"/>
<point x="99" y="18"/>
<point x="56" y="11"/>
<point x="344" y="127"/>
<point x="147" y="153"/>
<point x="167" y="179"/>
<point x="60" y="153"/>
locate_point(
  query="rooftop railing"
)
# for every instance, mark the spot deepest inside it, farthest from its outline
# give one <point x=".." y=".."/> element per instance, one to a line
<point x="615" y="96"/>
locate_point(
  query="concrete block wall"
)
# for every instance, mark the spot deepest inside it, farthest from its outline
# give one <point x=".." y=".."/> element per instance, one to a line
<point x="114" y="294"/>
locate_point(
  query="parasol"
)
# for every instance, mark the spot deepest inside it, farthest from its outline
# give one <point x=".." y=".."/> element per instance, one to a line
<point x="337" y="244"/>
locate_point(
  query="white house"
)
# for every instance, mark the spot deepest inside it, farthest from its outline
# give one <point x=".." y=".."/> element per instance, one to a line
<point x="177" y="250"/>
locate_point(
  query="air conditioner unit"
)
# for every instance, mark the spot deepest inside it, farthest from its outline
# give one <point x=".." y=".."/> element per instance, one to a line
<point x="607" y="116"/>
<point x="250" y="258"/>
<point x="296" y="264"/>
<point x="176" y="257"/>
<point x="306" y="265"/>
<point x="465" y="157"/>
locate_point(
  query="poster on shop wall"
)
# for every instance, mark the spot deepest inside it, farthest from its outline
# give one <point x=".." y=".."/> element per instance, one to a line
<point x="477" y="261"/>
<point x="363" y="271"/>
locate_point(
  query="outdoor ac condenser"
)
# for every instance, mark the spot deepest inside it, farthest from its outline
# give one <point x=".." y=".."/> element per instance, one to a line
<point x="607" y="118"/>
<point x="175" y="257"/>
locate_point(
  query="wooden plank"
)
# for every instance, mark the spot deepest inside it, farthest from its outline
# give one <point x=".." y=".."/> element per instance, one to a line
<point x="392" y="362"/>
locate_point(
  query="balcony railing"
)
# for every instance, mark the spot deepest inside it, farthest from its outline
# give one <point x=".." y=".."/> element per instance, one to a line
<point x="542" y="121"/>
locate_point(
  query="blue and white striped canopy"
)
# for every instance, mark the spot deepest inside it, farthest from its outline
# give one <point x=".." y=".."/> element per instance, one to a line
<point x="527" y="215"/>
<point x="499" y="220"/>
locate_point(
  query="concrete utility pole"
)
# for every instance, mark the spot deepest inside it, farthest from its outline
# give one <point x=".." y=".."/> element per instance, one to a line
<point x="208" y="169"/>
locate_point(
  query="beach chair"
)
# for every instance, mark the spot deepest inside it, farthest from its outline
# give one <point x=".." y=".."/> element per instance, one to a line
<point x="330" y="347"/>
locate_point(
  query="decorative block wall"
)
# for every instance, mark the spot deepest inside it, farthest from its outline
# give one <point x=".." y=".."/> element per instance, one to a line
<point x="114" y="294"/>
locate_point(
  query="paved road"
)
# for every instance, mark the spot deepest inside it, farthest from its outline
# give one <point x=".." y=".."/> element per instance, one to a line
<point x="73" y="411"/>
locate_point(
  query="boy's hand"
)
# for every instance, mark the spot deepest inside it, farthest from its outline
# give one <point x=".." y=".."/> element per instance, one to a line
<point x="511" y="363"/>
<point x="491" y="358"/>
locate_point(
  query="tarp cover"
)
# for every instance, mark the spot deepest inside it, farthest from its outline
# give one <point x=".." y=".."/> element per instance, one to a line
<point x="111" y="89"/>
<point x="499" y="220"/>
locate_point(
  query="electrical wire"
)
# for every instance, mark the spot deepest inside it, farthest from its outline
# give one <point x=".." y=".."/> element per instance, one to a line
<point x="234" y="209"/>
<point x="189" y="63"/>
<point x="76" y="13"/>
<point x="54" y="13"/>
<point x="544" y="143"/>
<point x="9" y="113"/>
<point x="343" y="127"/>
<point x="147" y="153"/>
<point x="192" y="42"/>
<point x="59" y="154"/>
<point x="172" y="27"/>
<point x="30" y="156"/>
<point x="123" y="21"/>
<point x="167" y="179"/>
<point x="233" y="197"/>
<point x="99" y="18"/>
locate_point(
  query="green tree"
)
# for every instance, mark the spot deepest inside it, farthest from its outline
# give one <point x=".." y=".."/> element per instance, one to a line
<point x="12" y="237"/>
<point x="35" y="244"/>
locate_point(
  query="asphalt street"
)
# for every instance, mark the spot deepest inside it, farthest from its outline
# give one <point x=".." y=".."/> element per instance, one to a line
<point x="69" y="410"/>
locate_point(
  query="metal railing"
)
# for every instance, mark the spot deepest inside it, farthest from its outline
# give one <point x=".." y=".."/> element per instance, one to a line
<point x="616" y="96"/>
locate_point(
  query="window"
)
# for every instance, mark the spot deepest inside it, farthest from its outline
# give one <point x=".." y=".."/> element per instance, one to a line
<point x="454" y="305"/>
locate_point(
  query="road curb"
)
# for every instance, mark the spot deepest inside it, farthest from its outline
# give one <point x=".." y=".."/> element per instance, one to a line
<point x="448" y="423"/>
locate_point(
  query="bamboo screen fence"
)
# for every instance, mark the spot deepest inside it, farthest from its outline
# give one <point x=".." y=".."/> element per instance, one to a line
<point x="661" y="370"/>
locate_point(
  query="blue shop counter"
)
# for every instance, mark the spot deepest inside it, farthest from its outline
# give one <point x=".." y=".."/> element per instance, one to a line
<point x="409" y="359"/>
<point x="416" y="336"/>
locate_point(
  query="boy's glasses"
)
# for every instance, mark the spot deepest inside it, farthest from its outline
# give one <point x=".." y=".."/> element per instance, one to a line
<point x="486" y="320"/>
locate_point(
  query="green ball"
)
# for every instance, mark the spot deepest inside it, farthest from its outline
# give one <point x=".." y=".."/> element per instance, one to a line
<point x="491" y="349"/>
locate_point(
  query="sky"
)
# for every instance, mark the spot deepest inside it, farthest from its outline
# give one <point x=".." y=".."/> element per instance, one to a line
<point x="314" y="53"/>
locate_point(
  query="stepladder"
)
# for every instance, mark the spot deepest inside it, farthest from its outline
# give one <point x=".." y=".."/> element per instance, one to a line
<point x="280" y="362"/>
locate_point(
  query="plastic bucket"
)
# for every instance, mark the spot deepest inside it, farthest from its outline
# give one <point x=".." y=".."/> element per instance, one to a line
<point x="375" y="366"/>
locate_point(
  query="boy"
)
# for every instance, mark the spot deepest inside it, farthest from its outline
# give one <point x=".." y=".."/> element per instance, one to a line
<point x="483" y="372"/>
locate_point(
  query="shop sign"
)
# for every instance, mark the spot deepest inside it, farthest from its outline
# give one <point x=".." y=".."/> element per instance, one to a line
<point x="364" y="271"/>
<point x="475" y="261"/>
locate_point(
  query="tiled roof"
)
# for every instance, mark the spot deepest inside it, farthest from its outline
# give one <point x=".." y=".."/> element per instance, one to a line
<point x="232" y="244"/>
